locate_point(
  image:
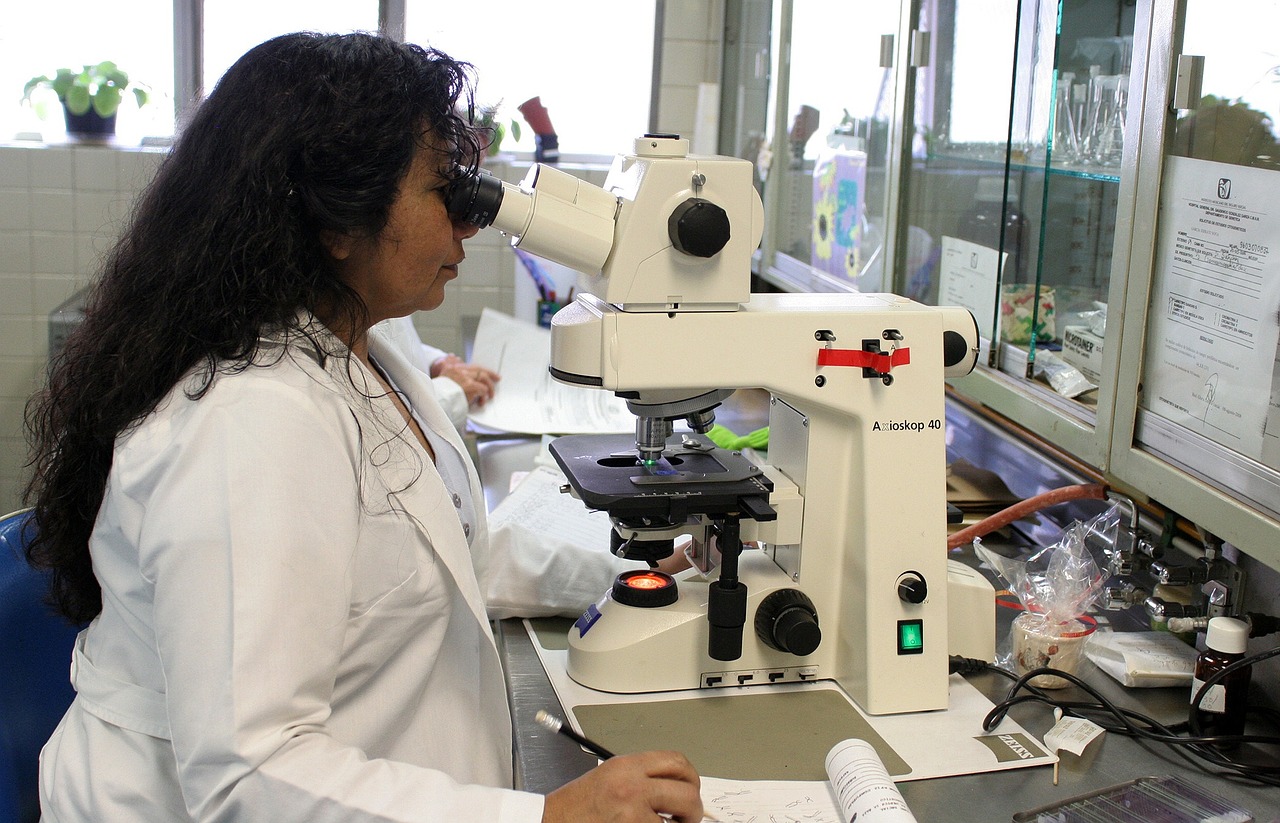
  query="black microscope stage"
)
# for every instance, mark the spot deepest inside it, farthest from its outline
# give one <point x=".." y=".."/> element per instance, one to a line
<point x="693" y="477"/>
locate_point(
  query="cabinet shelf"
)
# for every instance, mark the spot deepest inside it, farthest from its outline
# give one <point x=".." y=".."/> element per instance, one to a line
<point x="1079" y="171"/>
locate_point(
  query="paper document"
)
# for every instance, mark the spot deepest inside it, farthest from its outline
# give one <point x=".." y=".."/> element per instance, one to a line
<point x="528" y="400"/>
<point x="1212" y="342"/>
<point x="969" y="276"/>
<point x="858" y="788"/>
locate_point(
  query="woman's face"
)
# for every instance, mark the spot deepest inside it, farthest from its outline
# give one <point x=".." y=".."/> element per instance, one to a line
<point x="405" y="267"/>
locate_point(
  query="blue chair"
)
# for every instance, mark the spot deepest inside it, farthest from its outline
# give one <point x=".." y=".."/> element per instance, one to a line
<point x="35" y="666"/>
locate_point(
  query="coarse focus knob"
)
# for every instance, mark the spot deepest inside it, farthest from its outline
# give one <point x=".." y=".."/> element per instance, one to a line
<point x="698" y="228"/>
<point x="787" y="621"/>
<point x="912" y="588"/>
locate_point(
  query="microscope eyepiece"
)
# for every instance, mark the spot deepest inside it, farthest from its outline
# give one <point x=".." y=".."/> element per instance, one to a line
<point x="474" y="199"/>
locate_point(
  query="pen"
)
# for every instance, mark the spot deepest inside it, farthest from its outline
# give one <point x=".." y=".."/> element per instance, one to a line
<point x="555" y="724"/>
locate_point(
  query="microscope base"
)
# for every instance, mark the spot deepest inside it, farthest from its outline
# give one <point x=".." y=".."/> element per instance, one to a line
<point x="631" y="650"/>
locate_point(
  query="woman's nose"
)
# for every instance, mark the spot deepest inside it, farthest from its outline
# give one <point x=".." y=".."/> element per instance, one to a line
<point x="464" y="230"/>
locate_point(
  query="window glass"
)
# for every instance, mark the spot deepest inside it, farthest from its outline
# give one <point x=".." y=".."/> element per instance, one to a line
<point x="232" y="27"/>
<point x="40" y="38"/>
<point x="596" y="88"/>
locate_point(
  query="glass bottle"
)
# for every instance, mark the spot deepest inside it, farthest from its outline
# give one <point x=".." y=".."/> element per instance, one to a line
<point x="1223" y="707"/>
<point x="992" y="206"/>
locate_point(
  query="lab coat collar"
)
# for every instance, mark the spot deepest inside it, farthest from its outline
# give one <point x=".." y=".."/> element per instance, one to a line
<point x="320" y="344"/>
<point x="450" y="544"/>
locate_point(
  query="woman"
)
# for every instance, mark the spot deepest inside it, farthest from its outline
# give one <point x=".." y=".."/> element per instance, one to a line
<point x="258" y="504"/>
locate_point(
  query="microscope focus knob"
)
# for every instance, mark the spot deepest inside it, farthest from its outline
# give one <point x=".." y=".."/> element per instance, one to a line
<point x="912" y="588"/>
<point x="698" y="228"/>
<point x="787" y="621"/>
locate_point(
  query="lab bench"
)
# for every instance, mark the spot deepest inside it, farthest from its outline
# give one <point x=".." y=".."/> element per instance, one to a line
<point x="545" y="761"/>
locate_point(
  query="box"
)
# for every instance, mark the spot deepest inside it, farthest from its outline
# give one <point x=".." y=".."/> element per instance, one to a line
<point x="1026" y="311"/>
<point x="1083" y="349"/>
<point x="839" y="207"/>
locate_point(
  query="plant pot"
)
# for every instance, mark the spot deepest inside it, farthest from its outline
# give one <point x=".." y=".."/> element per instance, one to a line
<point x="90" y="123"/>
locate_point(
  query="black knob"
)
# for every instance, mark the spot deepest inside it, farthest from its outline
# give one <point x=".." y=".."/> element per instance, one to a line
<point x="912" y="588"/>
<point x="698" y="228"/>
<point x="787" y="621"/>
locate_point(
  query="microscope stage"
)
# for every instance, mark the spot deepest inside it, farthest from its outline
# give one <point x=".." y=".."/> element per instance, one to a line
<point x="695" y="477"/>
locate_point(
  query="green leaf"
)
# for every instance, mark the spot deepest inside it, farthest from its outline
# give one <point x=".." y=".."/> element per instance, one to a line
<point x="62" y="83"/>
<point x="77" y="99"/>
<point x="140" y="94"/>
<point x="515" y="130"/>
<point x="35" y="83"/>
<point x="107" y="101"/>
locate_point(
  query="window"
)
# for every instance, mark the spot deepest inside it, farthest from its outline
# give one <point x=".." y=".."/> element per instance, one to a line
<point x="232" y="27"/>
<point x="596" y="88"/>
<point x="39" y="38"/>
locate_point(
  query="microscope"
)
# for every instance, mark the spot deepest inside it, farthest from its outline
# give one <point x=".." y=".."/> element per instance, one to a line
<point x="833" y="560"/>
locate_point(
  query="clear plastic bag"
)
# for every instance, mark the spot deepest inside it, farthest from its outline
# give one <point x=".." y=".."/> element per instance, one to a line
<point x="1064" y="579"/>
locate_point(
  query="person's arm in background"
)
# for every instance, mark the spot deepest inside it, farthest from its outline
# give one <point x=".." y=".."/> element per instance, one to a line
<point x="458" y="385"/>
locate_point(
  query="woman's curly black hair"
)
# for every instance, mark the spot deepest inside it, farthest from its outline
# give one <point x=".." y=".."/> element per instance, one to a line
<point x="306" y="134"/>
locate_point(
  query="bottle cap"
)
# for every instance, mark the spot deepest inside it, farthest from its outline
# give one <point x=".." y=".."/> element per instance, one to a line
<point x="1227" y="635"/>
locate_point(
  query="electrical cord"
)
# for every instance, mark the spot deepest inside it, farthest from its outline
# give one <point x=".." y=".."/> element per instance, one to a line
<point x="1199" y="750"/>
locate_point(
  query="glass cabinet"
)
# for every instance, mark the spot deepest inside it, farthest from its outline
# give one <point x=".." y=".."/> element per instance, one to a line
<point x="967" y="152"/>
<point x="1202" y="432"/>
<point x="1021" y="158"/>
<point x="828" y="170"/>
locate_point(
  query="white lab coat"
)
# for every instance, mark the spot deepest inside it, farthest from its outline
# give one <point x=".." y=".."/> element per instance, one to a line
<point x="292" y="628"/>
<point x="404" y="335"/>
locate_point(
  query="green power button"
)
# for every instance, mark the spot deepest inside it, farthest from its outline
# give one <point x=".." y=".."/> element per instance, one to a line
<point x="910" y="637"/>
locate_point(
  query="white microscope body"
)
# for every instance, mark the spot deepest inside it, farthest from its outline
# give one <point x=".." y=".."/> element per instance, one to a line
<point x="849" y="580"/>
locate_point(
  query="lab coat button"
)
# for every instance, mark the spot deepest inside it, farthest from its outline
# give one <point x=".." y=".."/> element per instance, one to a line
<point x="457" y="501"/>
<point x="466" y="529"/>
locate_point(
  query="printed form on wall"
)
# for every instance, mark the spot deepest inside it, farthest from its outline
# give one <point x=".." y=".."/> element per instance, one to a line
<point x="1212" y="341"/>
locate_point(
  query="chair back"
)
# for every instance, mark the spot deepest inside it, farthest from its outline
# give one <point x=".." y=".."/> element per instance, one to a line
<point x="35" y="667"/>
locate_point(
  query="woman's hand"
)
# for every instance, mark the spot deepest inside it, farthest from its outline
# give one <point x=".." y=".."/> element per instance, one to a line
<point x="477" y="382"/>
<point x="634" y="788"/>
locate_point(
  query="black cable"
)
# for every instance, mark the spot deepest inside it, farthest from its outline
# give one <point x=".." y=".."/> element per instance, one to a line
<point x="1200" y="751"/>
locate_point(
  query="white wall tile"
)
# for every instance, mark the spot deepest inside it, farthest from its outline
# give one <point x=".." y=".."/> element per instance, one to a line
<point x="677" y="110"/>
<point x="15" y="336"/>
<point x="15" y="209"/>
<point x="136" y="168"/>
<point x="689" y="19"/>
<point x="53" y="253"/>
<point x="15" y="295"/>
<point x="18" y="378"/>
<point x="51" y="167"/>
<point x="52" y="210"/>
<point x="95" y="168"/>
<point x="98" y="212"/>
<point x="685" y="61"/>
<point x="50" y="292"/>
<point x="481" y="267"/>
<point x="15" y="169"/>
<point x="15" y="253"/>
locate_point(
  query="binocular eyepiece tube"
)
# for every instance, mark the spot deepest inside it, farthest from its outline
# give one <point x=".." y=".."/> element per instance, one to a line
<point x="474" y="199"/>
<point x="551" y="214"/>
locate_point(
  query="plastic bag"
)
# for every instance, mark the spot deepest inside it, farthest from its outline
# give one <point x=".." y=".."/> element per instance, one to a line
<point x="1064" y="579"/>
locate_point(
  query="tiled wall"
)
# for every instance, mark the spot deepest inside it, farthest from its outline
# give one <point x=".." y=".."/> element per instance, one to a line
<point x="61" y="206"/>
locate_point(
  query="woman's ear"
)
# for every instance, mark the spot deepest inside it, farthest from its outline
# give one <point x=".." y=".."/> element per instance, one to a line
<point x="338" y="244"/>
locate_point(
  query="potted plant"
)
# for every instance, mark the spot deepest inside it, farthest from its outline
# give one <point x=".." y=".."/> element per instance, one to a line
<point x="488" y="121"/>
<point x="90" y="98"/>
